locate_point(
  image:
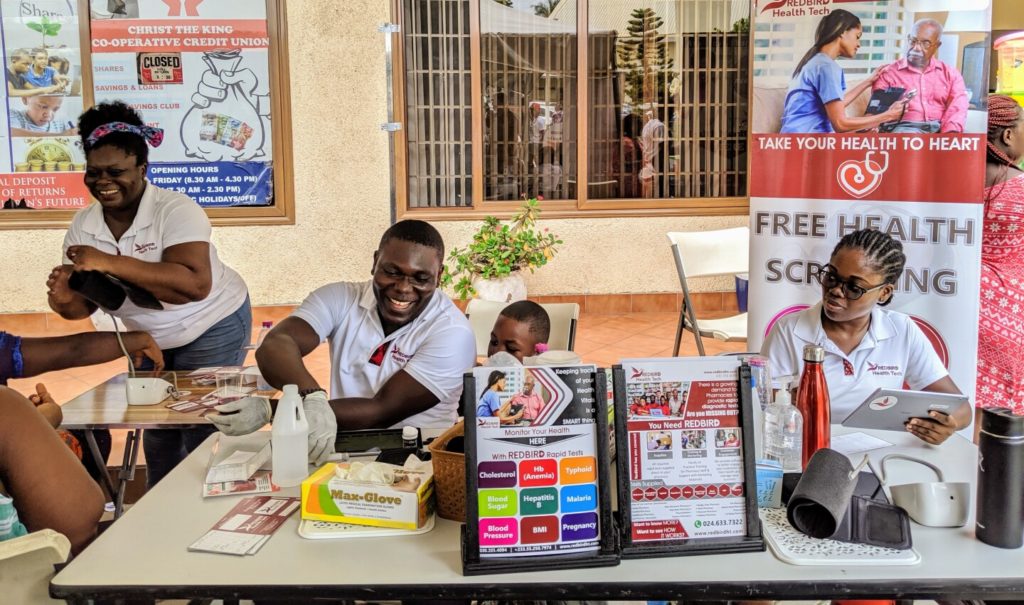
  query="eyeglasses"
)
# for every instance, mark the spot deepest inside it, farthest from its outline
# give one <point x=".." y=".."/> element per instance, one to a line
<point x="925" y="45"/>
<point x="830" y="278"/>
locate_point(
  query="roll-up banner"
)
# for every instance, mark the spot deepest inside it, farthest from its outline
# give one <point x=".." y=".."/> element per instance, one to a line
<point x="904" y="153"/>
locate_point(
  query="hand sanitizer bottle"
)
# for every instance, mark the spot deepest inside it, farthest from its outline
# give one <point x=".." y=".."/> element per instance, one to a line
<point x="289" y="440"/>
<point x="783" y="431"/>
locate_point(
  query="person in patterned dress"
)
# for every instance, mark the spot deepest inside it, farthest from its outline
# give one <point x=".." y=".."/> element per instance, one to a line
<point x="1001" y="324"/>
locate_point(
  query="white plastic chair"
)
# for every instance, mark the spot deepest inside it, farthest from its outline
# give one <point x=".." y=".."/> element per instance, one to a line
<point x="563" y="316"/>
<point x="705" y="254"/>
<point x="26" y="566"/>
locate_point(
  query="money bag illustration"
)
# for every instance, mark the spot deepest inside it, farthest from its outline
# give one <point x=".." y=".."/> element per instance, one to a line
<point x="224" y="123"/>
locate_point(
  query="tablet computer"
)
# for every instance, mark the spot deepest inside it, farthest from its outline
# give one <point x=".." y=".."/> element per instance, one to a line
<point x="890" y="409"/>
<point x="882" y="99"/>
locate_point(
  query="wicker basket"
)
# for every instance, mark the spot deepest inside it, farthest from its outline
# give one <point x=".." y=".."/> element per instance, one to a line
<point x="449" y="475"/>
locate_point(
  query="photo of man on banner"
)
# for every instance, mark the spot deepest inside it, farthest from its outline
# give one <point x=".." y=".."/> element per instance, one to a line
<point x="866" y="116"/>
<point x="870" y="69"/>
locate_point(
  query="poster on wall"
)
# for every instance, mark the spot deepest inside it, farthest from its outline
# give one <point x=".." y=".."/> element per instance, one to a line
<point x="900" y="149"/>
<point x="685" y="453"/>
<point x="200" y="71"/>
<point x="41" y="158"/>
<point x="538" y="492"/>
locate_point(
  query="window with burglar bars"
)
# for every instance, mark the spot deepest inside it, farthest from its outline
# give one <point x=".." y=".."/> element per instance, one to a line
<point x="502" y="102"/>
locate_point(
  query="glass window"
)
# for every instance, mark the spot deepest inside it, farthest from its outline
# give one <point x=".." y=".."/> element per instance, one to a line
<point x="665" y="119"/>
<point x="529" y="74"/>
<point x="438" y="111"/>
<point x="668" y="99"/>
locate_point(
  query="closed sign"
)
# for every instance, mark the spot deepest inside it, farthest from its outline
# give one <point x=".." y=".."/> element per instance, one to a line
<point x="160" y="68"/>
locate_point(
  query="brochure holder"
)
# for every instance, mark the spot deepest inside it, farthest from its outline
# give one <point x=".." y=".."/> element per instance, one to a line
<point x="657" y="468"/>
<point x="556" y="442"/>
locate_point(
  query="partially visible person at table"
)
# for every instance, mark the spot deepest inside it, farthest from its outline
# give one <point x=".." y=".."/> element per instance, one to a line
<point x="521" y="329"/>
<point x="940" y="102"/>
<point x="158" y="240"/>
<point x="22" y="357"/>
<point x="866" y="346"/>
<point x="44" y="485"/>
<point x="817" y="97"/>
<point x="1000" y="332"/>
<point x="398" y="348"/>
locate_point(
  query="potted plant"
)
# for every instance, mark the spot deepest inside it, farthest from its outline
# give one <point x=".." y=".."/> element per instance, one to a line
<point x="490" y="266"/>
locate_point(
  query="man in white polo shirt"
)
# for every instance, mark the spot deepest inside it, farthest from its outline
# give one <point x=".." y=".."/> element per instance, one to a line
<point x="398" y="350"/>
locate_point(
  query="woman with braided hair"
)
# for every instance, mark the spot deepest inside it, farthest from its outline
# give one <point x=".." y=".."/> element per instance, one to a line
<point x="866" y="347"/>
<point x="1000" y="330"/>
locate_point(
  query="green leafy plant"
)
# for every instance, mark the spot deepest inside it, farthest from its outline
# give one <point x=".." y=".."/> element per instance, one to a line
<point x="500" y="249"/>
<point x="45" y="27"/>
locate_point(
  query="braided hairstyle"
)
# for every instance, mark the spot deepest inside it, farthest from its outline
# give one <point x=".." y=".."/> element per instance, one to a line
<point x="1003" y="113"/>
<point x="882" y="253"/>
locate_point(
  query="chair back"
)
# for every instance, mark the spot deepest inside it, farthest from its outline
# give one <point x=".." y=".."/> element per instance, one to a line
<point x="26" y="566"/>
<point x="707" y="253"/>
<point x="564" y="316"/>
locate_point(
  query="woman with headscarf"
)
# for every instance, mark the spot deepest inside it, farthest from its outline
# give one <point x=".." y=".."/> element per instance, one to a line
<point x="158" y="240"/>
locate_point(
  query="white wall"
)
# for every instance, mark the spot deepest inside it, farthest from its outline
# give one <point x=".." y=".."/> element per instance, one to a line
<point x="342" y="191"/>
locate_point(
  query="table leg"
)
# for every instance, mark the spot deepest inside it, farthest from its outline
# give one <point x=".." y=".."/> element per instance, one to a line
<point x="101" y="464"/>
<point x="128" y="465"/>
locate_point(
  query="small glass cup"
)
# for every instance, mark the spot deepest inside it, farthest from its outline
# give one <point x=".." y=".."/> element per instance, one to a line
<point x="229" y="384"/>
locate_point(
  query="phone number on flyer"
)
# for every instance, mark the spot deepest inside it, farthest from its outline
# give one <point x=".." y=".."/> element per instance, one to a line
<point x="717" y="522"/>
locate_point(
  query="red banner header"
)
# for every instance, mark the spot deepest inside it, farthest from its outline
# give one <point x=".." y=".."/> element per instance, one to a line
<point x="177" y="35"/>
<point x="896" y="167"/>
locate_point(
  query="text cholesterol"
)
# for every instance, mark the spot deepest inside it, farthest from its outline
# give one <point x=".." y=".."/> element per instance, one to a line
<point x="369" y="497"/>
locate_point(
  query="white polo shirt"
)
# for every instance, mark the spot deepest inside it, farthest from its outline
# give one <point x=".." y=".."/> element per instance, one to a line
<point x="165" y="218"/>
<point x="893" y="351"/>
<point x="435" y="349"/>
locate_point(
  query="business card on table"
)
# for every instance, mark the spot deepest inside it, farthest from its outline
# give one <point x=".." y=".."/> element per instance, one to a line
<point x="247" y="526"/>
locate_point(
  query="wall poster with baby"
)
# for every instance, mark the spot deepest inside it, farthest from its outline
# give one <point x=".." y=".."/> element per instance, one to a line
<point x="867" y="115"/>
<point x="41" y="157"/>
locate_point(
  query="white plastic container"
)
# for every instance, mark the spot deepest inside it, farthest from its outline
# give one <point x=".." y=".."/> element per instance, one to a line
<point x="783" y="432"/>
<point x="289" y="439"/>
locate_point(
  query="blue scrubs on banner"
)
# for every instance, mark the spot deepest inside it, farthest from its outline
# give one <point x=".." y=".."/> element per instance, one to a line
<point x="821" y="81"/>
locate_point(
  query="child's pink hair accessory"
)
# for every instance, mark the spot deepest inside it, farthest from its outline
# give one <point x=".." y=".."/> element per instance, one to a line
<point x="541" y="347"/>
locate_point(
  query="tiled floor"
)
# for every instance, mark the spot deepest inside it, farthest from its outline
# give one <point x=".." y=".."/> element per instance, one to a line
<point x="602" y="339"/>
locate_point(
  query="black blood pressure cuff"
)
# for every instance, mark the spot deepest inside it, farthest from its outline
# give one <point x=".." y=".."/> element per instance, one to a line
<point x="110" y="292"/>
<point x="824" y="505"/>
<point x="875" y="523"/>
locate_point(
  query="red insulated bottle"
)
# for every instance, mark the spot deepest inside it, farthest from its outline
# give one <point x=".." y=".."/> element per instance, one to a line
<point x="813" y="402"/>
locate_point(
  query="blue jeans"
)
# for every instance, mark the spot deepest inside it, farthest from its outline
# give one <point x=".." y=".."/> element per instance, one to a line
<point x="221" y="345"/>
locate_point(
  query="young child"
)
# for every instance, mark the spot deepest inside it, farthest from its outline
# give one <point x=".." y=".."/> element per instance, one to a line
<point x="522" y="330"/>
